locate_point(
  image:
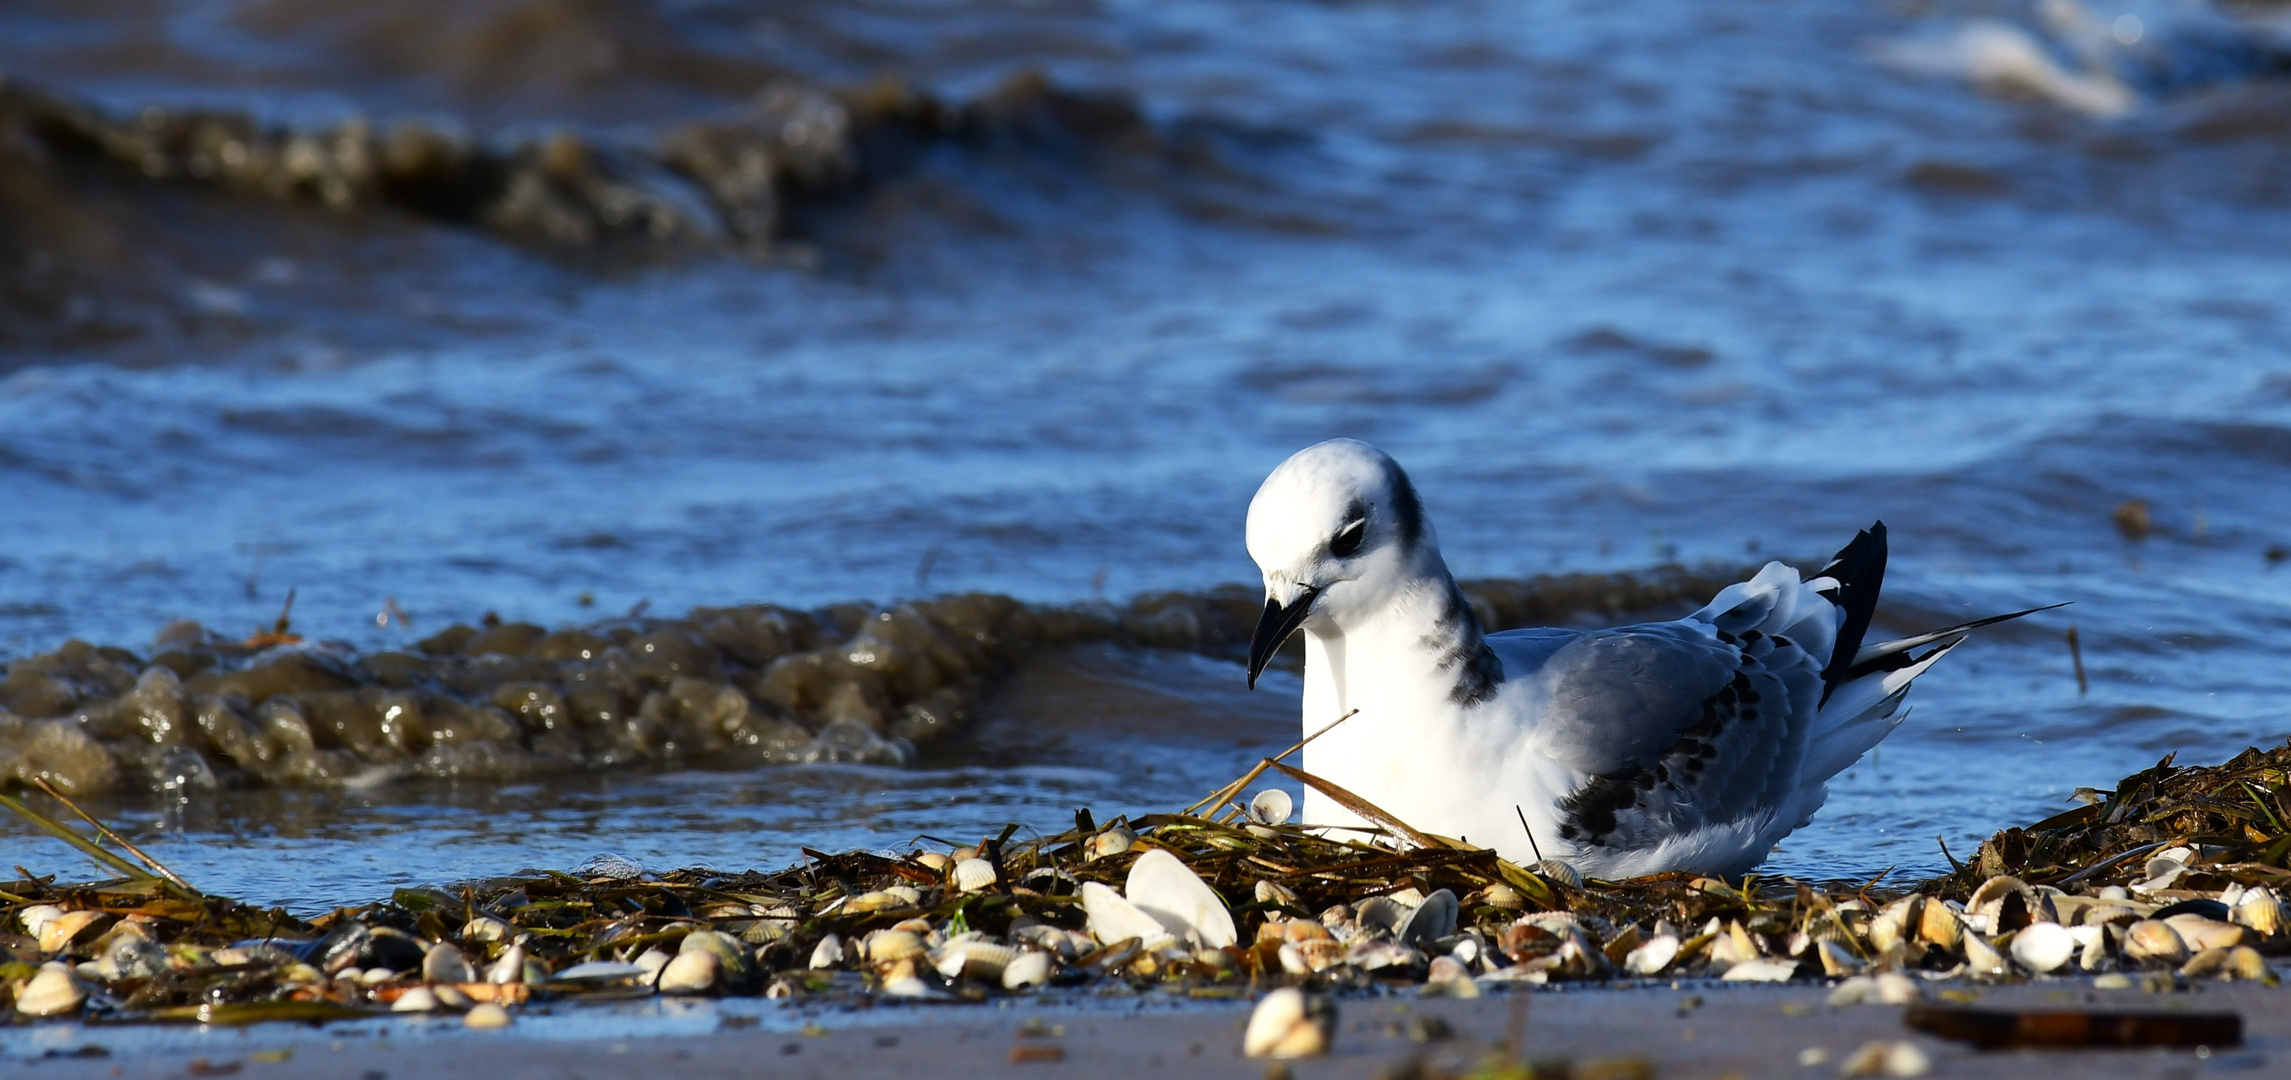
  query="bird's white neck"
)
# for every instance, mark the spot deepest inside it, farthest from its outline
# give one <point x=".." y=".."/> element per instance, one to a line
<point x="1420" y="648"/>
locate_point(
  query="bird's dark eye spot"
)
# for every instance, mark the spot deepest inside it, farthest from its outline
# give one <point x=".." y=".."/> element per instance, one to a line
<point x="1346" y="543"/>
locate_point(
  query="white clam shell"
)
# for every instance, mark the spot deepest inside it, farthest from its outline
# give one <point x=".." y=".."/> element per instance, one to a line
<point x="1284" y="1025"/>
<point x="2044" y="947"/>
<point x="510" y="968"/>
<point x="2261" y="910"/>
<point x="1272" y="806"/>
<point x="1027" y="969"/>
<point x="973" y="875"/>
<point x="418" y="999"/>
<point x="1653" y="956"/>
<point x="54" y="991"/>
<point x="1113" y="918"/>
<point x="445" y="964"/>
<point x="694" y="972"/>
<point x="1112" y="840"/>
<point x="828" y="953"/>
<point x="1432" y="920"/>
<point x="2201" y="933"/>
<point x="1982" y="960"/>
<point x="1760" y="971"/>
<point x="1172" y="893"/>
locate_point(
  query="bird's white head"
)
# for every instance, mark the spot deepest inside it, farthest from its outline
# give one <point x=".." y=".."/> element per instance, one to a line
<point x="1338" y="532"/>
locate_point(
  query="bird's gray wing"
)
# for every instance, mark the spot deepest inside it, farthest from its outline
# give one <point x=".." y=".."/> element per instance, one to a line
<point x="1673" y="725"/>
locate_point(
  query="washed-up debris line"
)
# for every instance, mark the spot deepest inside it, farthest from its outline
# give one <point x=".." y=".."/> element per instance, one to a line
<point x="727" y="685"/>
<point x="1226" y="901"/>
<point x="724" y="182"/>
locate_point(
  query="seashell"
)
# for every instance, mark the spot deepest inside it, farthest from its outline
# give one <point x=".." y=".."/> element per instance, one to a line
<point x="1382" y="915"/>
<point x="2105" y="912"/>
<point x="1111" y="840"/>
<point x="974" y="875"/>
<point x="486" y="1016"/>
<point x="450" y="996"/>
<point x="1982" y="960"/>
<point x="2151" y="941"/>
<point x="599" y="971"/>
<point x="1378" y="955"/>
<point x="1272" y="806"/>
<point x="1887" y="988"/>
<point x="1280" y="895"/>
<point x="892" y="946"/>
<point x="486" y="928"/>
<point x="1760" y="971"/>
<point x="1938" y="925"/>
<point x="1500" y="895"/>
<point x="2091" y="947"/>
<point x="1287" y="1024"/>
<point x="1580" y="956"/>
<point x="418" y="999"/>
<point x="1468" y="948"/>
<point x="1732" y="946"/>
<point x="37" y="918"/>
<point x="370" y="976"/>
<point x="1523" y="941"/>
<point x="1432" y="920"/>
<point x="1170" y="892"/>
<point x="510" y="968"/>
<point x="1319" y="954"/>
<point x="2162" y="870"/>
<point x="2044" y="947"/>
<point x="1896" y="922"/>
<point x="133" y="956"/>
<point x="1836" y="959"/>
<point x="1652" y="957"/>
<point x="1293" y="960"/>
<point x="53" y="991"/>
<point x="1305" y="930"/>
<point x="445" y="964"/>
<point x="1554" y="870"/>
<point x="732" y="957"/>
<point x="981" y="960"/>
<point x="2245" y="962"/>
<point x="1027" y="969"/>
<point x="861" y="903"/>
<point x="1114" y="919"/>
<point x="695" y="972"/>
<point x="1619" y="947"/>
<point x="71" y="924"/>
<point x="1886" y="1058"/>
<point x="934" y="861"/>
<point x="2261" y="910"/>
<point x="2201" y="933"/>
<point x="827" y="954"/>
<point x="653" y="959"/>
<point x="1448" y="977"/>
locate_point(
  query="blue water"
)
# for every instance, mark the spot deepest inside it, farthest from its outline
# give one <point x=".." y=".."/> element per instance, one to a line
<point x="1618" y="285"/>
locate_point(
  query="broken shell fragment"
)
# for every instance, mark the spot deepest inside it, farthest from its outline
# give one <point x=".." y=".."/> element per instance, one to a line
<point x="1268" y="892"/>
<point x="1287" y="1024"/>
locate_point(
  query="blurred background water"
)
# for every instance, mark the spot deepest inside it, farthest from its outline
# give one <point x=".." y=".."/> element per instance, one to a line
<point x="1668" y="282"/>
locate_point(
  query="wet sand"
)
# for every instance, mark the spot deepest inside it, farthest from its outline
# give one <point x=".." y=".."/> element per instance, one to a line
<point x="1695" y="1031"/>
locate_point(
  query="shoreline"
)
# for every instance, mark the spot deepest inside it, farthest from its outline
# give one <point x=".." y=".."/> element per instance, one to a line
<point x="1695" y="1031"/>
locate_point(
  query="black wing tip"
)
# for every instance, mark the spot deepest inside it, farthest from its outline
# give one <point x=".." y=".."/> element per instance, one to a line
<point x="1859" y="569"/>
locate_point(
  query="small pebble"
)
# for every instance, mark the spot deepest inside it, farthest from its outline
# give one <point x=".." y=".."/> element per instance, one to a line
<point x="486" y="1015"/>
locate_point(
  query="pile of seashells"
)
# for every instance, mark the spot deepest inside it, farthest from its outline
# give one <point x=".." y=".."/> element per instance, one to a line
<point x="1168" y="902"/>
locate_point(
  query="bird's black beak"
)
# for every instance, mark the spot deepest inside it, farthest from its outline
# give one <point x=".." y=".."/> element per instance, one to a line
<point x="1275" y="626"/>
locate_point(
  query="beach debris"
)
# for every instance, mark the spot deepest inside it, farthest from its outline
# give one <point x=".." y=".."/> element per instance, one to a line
<point x="1992" y="1029"/>
<point x="53" y="991"/>
<point x="694" y="972"/>
<point x="1164" y="888"/>
<point x="1288" y="1023"/>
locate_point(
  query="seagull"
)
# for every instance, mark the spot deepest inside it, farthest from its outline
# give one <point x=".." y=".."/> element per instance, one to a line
<point x="1695" y="744"/>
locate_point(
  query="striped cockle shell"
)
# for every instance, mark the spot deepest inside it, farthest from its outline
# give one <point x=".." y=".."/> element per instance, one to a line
<point x="973" y="875"/>
<point x="1268" y="892"/>
<point x="1938" y="925"/>
<point x="889" y="946"/>
<point x="975" y="959"/>
<point x="1896" y="922"/>
<point x="2260" y="909"/>
<point x="37" y="918"/>
<point x="52" y="991"/>
<point x="1502" y="896"/>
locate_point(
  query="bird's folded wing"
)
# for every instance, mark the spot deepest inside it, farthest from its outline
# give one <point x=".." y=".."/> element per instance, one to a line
<point x="1618" y="698"/>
